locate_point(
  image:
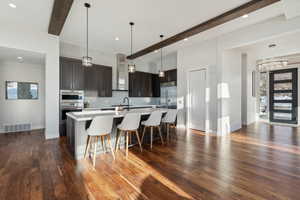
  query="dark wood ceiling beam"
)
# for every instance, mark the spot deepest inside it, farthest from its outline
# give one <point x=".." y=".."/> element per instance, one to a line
<point x="221" y="19"/>
<point x="59" y="15"/>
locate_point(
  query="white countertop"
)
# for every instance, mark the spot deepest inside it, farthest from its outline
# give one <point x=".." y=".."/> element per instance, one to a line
<point x="131" y="106"/>
<point x="89" y="115"/>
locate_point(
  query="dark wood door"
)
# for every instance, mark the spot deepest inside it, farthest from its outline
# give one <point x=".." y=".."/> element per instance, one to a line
<point x="66" y="74"/>
<point x="78" y="75"/>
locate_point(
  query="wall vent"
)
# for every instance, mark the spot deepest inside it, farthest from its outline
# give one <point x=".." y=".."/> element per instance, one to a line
<point x="11" y="128"/>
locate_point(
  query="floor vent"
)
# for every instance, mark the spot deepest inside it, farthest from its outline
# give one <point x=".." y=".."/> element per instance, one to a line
<point x="10" y="128"/>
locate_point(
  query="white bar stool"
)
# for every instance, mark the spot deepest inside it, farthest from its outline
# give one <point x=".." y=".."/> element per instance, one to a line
<point x="129" y="125"/>
<point x="100" y="128"/>
<point x="153" y="122"/>
<point x="170" y="120"/>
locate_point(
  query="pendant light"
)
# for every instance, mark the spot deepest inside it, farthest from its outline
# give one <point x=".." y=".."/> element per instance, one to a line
<point x="86" y="60"/>
<point x="131" y="65"/>
<point x="161" y="73"/>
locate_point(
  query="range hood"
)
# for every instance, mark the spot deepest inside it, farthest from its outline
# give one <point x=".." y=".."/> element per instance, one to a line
<point x="122" y="73"/>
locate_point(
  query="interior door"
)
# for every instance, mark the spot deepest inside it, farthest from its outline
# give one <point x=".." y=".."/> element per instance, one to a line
<point x="197" y="110"/>
<point x="284" y="96"/>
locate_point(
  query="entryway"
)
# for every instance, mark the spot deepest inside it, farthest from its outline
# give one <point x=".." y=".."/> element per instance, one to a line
<point x="283" y="98"/>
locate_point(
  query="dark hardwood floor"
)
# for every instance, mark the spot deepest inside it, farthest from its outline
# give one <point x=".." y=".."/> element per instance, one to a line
<point x="258" y="162"/>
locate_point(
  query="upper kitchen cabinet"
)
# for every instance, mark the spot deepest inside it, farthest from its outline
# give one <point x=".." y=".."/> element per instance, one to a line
<point x="104" y="77"/>
<point x="155" y="85"/>
<point x="90" y="78"/>
<point x="74" y="76"/>
<point x="142" y="84"/>
<point x="71" y="74"/>
<point x="99" y="78"/>
<point x="78" y="76"/>
<point x="170" y="76"/>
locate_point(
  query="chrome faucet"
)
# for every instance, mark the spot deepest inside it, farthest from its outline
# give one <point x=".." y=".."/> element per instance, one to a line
<point x="124" y="100"/>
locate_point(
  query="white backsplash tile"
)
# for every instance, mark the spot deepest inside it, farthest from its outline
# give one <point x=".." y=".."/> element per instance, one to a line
<point x="117" y="99"/>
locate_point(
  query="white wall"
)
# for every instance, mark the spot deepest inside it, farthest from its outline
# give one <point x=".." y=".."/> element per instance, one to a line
<point x="22" y="111"/>
<point x="230" y="114"/>
<point x="210" y="54"/>
<point x="169" y="62"/>
<point x="200" y="56"/>
<point x="41" y="42"/>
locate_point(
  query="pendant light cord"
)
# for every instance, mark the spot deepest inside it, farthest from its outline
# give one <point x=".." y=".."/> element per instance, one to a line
<point x="161" y="55"/>
<point x="87" y="31"/>
<point x="131" y="24"/>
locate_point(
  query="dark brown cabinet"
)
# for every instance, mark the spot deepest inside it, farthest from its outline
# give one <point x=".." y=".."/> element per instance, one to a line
<point x="66" y="74"/>
<point x="71" y="74"/>
<point x="104" y="85"/>
<point x="74" y="76"/>
<point x="78" y="76"/>
<point x="99" y="78"/>
<point x="90" y="79"/>
<point x="170" y="76"/>
<point x="142" y="84"/>
<point x="155" y="85"/>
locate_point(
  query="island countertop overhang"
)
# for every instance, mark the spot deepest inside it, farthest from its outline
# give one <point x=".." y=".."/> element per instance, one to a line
<point x="89" y="115"/>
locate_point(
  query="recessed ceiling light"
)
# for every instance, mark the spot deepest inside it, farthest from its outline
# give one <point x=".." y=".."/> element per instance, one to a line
<point x="186" y="39"/>
<point x="12" y="5"/>
<point x="20" y="58"/>
<point x="117" y="38"/>
<point x="245" y="16"/>
<point x="155" y="51"/>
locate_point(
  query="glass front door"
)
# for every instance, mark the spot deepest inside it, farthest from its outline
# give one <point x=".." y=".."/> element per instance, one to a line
<point x="284" y="96"/>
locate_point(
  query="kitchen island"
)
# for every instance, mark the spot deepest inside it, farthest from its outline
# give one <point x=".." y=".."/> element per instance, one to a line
<point x="78" y="122"/>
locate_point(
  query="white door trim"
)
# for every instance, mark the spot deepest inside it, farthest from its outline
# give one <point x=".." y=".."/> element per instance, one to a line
<point x="189" y="100"/>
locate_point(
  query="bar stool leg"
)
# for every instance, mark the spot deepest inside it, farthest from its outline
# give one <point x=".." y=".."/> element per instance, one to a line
<point x="168" y="132"/>
<point x="127" y="140"/>
<point x="151" y="135"/>
<point x="138" y="138"/>
<point x="111" y="148"/>
<point x="117" y="141"/>
<point x="143" y="134"/>
<point x="102" y="143"/>
<point x="95" y="151"/>
<point x="161" y="138"/>
<point x="88" y="141"/>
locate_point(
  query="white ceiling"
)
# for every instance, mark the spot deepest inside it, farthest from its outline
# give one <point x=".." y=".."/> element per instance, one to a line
<point x="110" y="18"/>
<point x="29" y="14"/>
<point x="11" y="55"/>
<point x="286" y="44"/>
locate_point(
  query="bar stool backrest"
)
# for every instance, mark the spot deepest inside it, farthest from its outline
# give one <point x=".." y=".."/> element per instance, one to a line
<point x="130" y="122"/>
<point x="154" y="119"/>
<point x="101" y="125"/>
<point x="170" y="116"/>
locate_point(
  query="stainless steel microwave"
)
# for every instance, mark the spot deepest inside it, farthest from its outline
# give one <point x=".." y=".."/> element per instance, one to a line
<point x="71" y="95"/>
